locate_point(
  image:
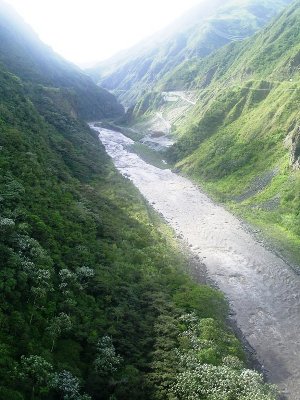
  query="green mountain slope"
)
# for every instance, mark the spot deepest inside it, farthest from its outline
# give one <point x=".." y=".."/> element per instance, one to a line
<point x="25" y="55"/>
<point x="204" y="29"/>
<point x="242" y="138"/>
<point x="94" y="297"/>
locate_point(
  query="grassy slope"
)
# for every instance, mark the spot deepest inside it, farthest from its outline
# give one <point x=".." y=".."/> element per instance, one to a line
<point x="244" y="134"/>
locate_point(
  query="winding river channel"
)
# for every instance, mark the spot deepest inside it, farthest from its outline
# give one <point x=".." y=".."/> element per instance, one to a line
<point x="263" y="291"/>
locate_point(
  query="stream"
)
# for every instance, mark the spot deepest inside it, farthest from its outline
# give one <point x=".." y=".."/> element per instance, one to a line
<point x="263" y="291"/>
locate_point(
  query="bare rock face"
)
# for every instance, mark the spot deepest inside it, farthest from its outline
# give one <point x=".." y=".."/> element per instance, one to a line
<point x="295" y="149"/>
<point x="292" y="142"/>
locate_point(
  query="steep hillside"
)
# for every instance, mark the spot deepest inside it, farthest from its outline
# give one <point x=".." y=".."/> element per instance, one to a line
<point x="25" y="55"/>
<point x="207" y="27"/>
<point x="94" y="297"/>
<point x="242" y="138"/>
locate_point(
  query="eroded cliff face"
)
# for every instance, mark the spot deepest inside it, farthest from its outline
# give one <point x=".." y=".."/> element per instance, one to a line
<point x="295" y="147"/>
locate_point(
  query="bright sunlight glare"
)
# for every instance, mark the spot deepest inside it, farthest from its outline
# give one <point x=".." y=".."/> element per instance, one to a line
<point x="92" y="30"/>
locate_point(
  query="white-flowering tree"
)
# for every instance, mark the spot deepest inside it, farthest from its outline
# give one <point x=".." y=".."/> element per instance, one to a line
<point x="59" y="324"/>
<point x="209" y="382"/>
<point x="226" y="379"/>
<point x="36" y="266"/>
<point x="68" y="281"/>
<point x="40" y="280"/>
<point x="84" y="274"/>
<point x="7" y="226"/>
<point x="68" y="385"/>
<point x="74" y="281"/>
<point x="107" y="361"/>
<point x="36" y="372"/>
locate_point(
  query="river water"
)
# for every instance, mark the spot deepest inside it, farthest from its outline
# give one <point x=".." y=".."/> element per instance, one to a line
<point x="263" y="291"/>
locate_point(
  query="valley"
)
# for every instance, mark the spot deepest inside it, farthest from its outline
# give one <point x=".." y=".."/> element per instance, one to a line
<point x="153" y="253"/>
<point x="262" y="289"/>
<point x="237" y="136"/>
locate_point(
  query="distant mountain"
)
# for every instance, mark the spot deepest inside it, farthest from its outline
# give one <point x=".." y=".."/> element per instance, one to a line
<point x="25" y="55"/>
<point x="207" y="27"/>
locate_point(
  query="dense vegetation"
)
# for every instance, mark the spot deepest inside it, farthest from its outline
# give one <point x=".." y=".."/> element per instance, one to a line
<point x="207" y="27"/>
<point x="95" y="301"/>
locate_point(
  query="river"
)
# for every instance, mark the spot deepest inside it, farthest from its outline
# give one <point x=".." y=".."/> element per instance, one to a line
<point x="263" y="291"/>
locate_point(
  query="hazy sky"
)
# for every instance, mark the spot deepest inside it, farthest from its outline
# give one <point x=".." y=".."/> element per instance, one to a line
<point x="85" y="31"/>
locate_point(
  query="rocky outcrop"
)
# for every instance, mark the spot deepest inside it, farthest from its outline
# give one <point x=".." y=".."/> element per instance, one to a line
<point x="293" y="142"/>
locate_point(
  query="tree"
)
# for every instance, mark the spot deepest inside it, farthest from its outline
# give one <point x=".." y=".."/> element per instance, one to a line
<point x="68" y="385"/>
<point x="35" y="371"/>
<point x="84" y="274"/>
<point x="39" y="276"/>
<point x="107" y="361"/>
<point x="61" y="323"/>
<point x="209" y="369"/>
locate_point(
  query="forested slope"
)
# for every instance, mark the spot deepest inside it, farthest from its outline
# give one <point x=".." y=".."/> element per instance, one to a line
<point x="25" y="55"/>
